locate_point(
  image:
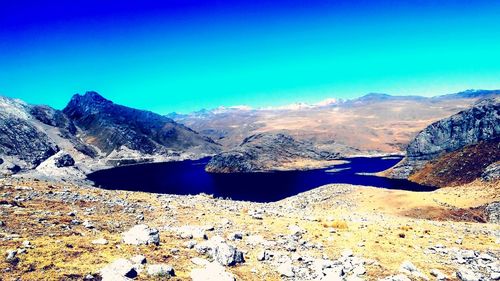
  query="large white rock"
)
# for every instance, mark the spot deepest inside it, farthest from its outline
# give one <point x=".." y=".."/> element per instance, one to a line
<point x="220" y="251"/>
<point x="141" y="235"/>
<point x="162" y="270"/>
<point x="466" y="274"/>
<point x="286" y="269"/>
<point x="120" y="269"/>
<point x="211" y="272"/>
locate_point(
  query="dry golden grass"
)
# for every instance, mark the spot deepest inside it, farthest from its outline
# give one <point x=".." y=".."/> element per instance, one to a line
<point x="371" y="225"/>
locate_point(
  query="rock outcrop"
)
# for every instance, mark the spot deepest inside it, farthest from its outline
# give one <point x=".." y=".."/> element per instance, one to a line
<point x="266" y="152"/>
<point x="22" y="143"/>
<point x="469" y="130"/>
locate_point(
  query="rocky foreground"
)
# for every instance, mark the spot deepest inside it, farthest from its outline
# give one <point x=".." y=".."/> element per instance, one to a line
<point x="55" y="231"/>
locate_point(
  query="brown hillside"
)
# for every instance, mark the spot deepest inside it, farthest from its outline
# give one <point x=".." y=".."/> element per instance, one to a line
<point x="459" y="167"/>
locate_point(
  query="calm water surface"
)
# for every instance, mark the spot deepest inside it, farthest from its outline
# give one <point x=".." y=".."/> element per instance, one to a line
<point x="189" y="177"/>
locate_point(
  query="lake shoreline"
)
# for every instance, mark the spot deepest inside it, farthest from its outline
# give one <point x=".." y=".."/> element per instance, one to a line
<point x="189" y="177"/>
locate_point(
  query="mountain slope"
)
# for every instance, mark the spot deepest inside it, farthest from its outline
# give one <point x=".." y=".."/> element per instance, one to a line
<point x="454" y="150"/>
<point x="109" y="126"/>
<point x="94" y="133"/>
<point x="22" y="143"/>
<point x="459" y="167"/>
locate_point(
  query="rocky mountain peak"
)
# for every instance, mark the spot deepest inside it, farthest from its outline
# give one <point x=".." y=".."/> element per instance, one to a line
<point x="110" y="126"/>
<point x="91" y="97"/>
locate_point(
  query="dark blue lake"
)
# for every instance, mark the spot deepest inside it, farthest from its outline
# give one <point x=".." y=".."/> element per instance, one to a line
<point x="189" y="177"/>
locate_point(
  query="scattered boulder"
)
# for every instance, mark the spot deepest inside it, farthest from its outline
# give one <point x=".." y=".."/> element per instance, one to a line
<point x="88" y="224"/>
<point x="263" y="255"/>
<point x="160" y="270"/>
<point x="286" y="269"/>
<point x="120" y="269"/>
<point x="465" y="274"/>
<point x="12" y="256"/>
<point x="220" y="251"/>
<point x="141" y="235"/>
<point x="64" y="160"/>
<point x="190" y="232"/>
<point x="139" y="259"/>
<point x="492" y="172"/>
<point x="492" y="211"/>
<point x="211" y="272"/>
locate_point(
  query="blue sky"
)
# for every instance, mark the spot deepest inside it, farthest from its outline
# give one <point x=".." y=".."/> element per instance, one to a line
<point x="185" y="55"/>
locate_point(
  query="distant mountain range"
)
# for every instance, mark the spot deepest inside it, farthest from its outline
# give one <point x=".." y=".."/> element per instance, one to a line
<point x="374" y="123"/>
<point x="370" y="97"/>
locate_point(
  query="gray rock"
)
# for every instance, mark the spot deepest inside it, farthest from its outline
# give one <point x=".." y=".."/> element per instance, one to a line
<point x="88" y="224"/>
<point x="408" y="266"/>
<point x="11" y="256"/>
<point x="141" y="235"/>
<point x="160" y="270"/>
<point x="227" y="255"/>
<point x="465" y="274"/>
<point x="190" y="232"/>
<point x="211" y="272"/>
<point x="286" y="269"/>
<point x="334" y="273"/>
<point x="120" y="269"/>
<point x="492" y="172"/>
<point x="190" y="244"/>
<point x="64" y="160"/>
<point x="236" y="236"/>
<point x="262" y="255"/>
<point x="138" y="259"/>
<point x="492" y="210"/>
<point x="220" y="251"/>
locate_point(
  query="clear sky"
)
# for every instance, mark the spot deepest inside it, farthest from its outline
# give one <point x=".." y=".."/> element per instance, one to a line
<point x="185" y="55"/>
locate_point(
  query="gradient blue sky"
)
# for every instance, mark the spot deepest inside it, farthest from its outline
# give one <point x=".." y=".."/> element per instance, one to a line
<point x="186" y="55"/>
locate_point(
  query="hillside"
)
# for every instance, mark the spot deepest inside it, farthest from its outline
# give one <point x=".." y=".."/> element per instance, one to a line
<point x="94" y="133"/>
<point x="268" y="152"/>
<point x="461" y="166"/>
<point x="456" y="149"/>
<point x="109" y="127"/>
